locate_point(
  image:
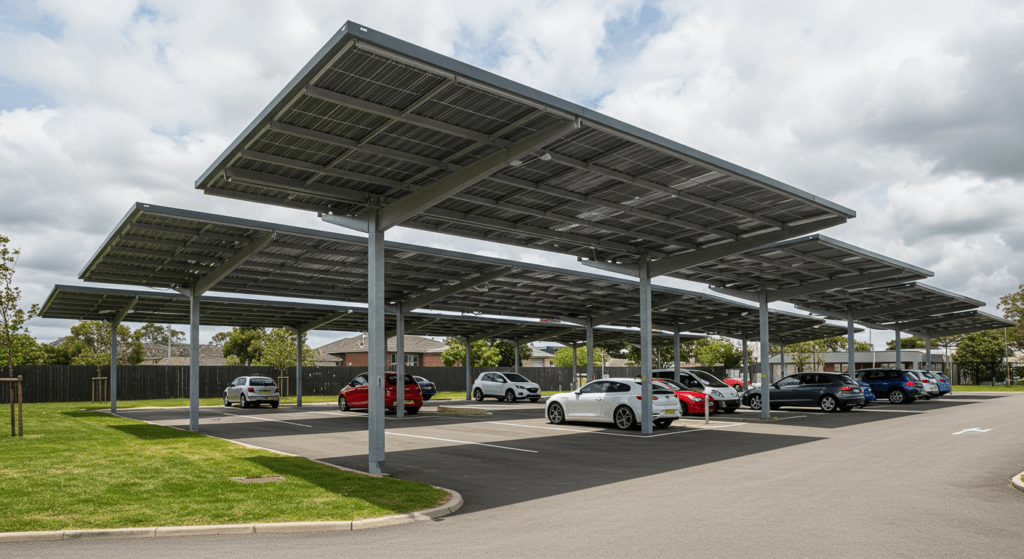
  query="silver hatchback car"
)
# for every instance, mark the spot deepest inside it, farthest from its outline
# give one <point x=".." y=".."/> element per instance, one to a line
<point x="252" y="391"/>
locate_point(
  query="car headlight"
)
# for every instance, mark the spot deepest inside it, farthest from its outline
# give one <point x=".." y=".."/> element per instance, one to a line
<point x="695" y="399"/>
<point x="520" y="387"/>
<point x="716" y="394"/>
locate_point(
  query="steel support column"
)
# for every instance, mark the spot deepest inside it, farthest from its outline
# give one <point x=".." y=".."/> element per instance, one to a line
<point x="298" y="368"/>
<point x="762" y="301"/>
<point x="590" y="349"/>
<point x="516" y="352"/>
<point x="469" y="368"/>
<point x="782" y="360"/>
<point x="400" y="360"/>
<point x="675" y="360"/>
<point x="899" y="347"/>
<point x="575" y="374"/>
<point x="928" y="351"/>
<point x="193" y="361"/>
<point x="851" y="346"/>
<point x="746" y="364"/>
<point x="113" y="366"/>
<point x="646" y="403"/>
<point x="377" y="343"/>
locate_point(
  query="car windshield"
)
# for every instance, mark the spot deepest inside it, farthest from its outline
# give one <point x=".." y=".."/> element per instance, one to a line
<point x="912" y="376"/>
<point x="709" y="379"/>
<point x="846" y="379"/>
<point x="261" y="381"/>
<point x="420" y="379"/>
<point x="512" y="377"/>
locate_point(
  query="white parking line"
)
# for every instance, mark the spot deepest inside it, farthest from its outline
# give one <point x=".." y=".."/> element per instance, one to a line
<point x="972" y="430"/>
<point x="459" y="442"/>
<point x="262" y="418"/>
<point x="791" y="417"/>
<point x="674" y="432"/>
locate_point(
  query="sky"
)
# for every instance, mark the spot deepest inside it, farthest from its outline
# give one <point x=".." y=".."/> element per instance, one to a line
<point x="910" y="113"/>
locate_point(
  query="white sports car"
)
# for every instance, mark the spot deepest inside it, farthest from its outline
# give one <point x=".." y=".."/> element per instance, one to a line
<point x="612" y="400"/>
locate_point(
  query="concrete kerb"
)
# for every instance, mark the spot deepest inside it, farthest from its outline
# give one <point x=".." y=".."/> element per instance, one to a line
<point x="453" y="504"/>
<point x="1017" y="483"/>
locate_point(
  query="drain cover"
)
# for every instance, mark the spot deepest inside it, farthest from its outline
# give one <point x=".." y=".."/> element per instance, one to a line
<point x="267" y="479"/>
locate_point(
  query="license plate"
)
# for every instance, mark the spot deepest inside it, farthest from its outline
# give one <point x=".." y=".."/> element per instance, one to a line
<point x="264" y="392"/>
<point x="409" y="402"/>
<point x="670" y="412"/>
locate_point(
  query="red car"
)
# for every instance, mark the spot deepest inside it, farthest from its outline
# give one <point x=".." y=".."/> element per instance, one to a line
<point x="691" y="402"/>
<point x="356" y="394"/>
<point x="735" y="383"/>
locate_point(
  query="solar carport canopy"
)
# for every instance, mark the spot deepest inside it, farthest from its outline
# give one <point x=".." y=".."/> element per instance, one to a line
<point x="890" y="303"/>
<point x="442" y="146"/>
<point x="99" y="303"/>
<point x="816" y="270"/>
<point x="163" y="247"/>
<point x="956" y="323"/>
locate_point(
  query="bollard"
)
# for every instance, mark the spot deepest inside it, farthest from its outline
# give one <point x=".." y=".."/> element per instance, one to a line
<point x="21" y="430"/>
<point x="707" y="409"/>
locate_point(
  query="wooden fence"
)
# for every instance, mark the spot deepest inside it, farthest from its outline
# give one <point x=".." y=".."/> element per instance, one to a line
<point x="73" y="383"/>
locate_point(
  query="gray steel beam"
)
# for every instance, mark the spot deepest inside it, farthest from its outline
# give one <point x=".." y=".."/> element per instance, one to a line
<point x="113" y="368"/>
<point x="822" y="286"/>
<point x="646" y="354"/>
<point x="377" y="350"/>
<point x="469" y="367"/>
<point x="575" y="375"/>
<point x="354" y="223"/>
<point x="782" y="361"/>
<point x="451" y="184"/>
<point x="875" y="311"/>
<point x="193" y="360"/>
<point x="915" y="324"/>
<point x="746" y="363"/>
<point x="400" y="358"/>
<point x="298" y="369"/>
<point x="495" y="333"/>
<point x="590" y="349"/>
<point x="546" y="335"/>
<point x="674" y="263"/>
<point x="515" y="350"/>
<point x="611" y="318"/>
<point x="928" y="351"/>
<point x="314" y="324"/>
<point x="675" y="356"/>
<point x="688" y="326"/>
<point x="851" y="345"/>
<point x="431" y="296"/>
<point x="899" y="347"/>
<point x="207" y="282"/>
<point x="765" y="363"/>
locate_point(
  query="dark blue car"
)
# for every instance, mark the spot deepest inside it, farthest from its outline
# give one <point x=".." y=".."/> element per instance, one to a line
<point x="869" y="395"/>
<point x="898" y="386"/>
<point x="427" y="388"/>
<point x="944" y="386"/>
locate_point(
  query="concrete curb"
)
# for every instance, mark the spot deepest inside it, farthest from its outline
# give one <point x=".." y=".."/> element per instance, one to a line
<point x="1017" y="483"/>
<point x="454" y="503"/>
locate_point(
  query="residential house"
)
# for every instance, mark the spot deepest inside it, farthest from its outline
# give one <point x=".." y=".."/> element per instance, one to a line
<point x="352" y="352"/>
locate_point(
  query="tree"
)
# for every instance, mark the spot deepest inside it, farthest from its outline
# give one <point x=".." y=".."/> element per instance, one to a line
<point x="507" y="354"/>
<point x="26" y="351"/>
<point x="244" y="346"/>
<point x="157" y="334"/>
<point x="712" y="351"/>
<point x="913" y="342"/>
<point x="661" y="357"/>
<point x="1012" y="306"/>
<point x="563" y="357"/>
<point x="481" y="353"/>
<point x="981" y="347"/>
<point x="89" y="344"/>
<point x="220" y="338"/>
<point x="12" y="317"/>
<point x="278" y="350"/>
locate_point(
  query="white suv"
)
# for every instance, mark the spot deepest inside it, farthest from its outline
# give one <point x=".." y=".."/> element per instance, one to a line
<point x="505" y="387"/>
<point x="612" y="400"/>
<point x="252" y="391"/>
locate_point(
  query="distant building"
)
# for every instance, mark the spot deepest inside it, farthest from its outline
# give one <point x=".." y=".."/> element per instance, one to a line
<point x="540" y="357"/>
<point x="352" y="352"/>
<point x="209" y="355"/>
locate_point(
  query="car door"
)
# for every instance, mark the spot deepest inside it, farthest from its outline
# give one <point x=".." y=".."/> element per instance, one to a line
<point x="615" y="394"/>
<point x="359" y="395"/>
<point x="576" y="405"/>
<point x="233" y="389"/>
<point x="786" y="391"/>
<point x="498" y="386"/>
<point x="876" y="378"/>
<point x="811" y="388"/>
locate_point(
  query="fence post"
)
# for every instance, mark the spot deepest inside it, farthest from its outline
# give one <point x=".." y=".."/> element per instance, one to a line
<point x="21" y="430"/>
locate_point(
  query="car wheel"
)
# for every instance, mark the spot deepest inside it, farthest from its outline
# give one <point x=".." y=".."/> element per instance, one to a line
<point x="343" y="404"/>
<point x="624" y="418"/>
<point x="828" y="403"/>
<point x="684" y="409"/>
<point x="227" y="402"/>
<point x="242" y="401"/>
<point x="662" y="423"/>
<point x="728" y="410"/>
<point x="897" y="396"/>
<point x="412" y="411"/>
<point x="556" y="414"/>
<point x="755" y="402"/>
<point x="478" y="395"/>
<point x="275" y="404"/>
<point x="510" y="396"/>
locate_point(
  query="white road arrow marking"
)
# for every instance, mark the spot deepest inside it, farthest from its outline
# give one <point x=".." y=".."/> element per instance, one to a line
<point x="974" y="430"/>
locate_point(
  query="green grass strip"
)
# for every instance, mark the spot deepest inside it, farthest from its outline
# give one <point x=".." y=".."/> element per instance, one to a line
<point x="972" y="388"/>
<point x="78" y="469"/>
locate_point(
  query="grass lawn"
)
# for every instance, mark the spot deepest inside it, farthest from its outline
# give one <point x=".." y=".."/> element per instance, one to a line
<point x="183" y="402"/>
<point x="971" y="388"/>
<point x="79" y="469"/>
<point x="462" y="395"/>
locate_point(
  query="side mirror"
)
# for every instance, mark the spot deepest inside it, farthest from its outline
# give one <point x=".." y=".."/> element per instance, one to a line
<point x="353" y="383"/>
<point x="578" y="391"/>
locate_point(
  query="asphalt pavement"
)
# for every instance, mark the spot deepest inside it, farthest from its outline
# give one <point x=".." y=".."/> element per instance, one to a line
<point x="930" y="479"/>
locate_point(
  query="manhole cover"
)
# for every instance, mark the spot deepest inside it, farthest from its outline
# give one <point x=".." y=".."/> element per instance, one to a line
<point x="267" y="479"/>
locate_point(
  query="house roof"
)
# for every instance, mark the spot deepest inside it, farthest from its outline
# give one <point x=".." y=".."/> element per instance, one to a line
<point x="358" y="344"/>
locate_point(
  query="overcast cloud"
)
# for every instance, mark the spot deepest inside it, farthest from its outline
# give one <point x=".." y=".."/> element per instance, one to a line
<point x="909" y="113"/>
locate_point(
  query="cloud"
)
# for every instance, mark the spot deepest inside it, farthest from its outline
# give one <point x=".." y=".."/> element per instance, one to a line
<point x="910" y="113"/>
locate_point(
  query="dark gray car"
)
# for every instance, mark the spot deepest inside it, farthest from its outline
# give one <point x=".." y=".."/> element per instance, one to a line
<point x="829" y="391"/>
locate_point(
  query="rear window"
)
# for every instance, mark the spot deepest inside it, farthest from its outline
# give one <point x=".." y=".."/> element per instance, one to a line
<point x="912" y="376"/>
<point x="846" y="379"/>
<point x="261" y="381"/>
<point x="655" y="389"/>
<point x="672" y="384"/>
